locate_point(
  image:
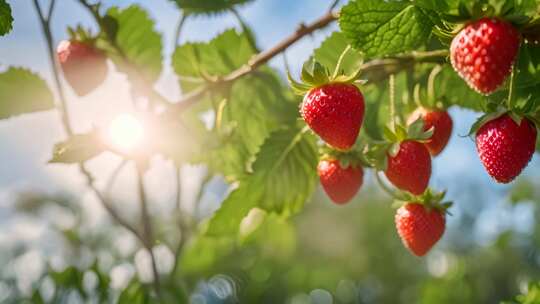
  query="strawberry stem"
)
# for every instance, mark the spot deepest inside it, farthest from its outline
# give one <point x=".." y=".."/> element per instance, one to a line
<point x="340" y="61"/>
<point x="511" y="88"/>
<point x="416" y="95"/>
<point x="431" y="85"/>
<point x="392" y="193"/>
<point x="392" y="92"/>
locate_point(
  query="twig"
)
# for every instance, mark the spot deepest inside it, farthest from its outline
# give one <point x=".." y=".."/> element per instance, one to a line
<point x="110" y="182"/>
<point x="178" y="200"/>
<point x="333" y="5"/>
<point x="179" y="27"/>
<point x="148" y="234"/>
<point x="245" y="28"/>
<point x="62" y="108"/>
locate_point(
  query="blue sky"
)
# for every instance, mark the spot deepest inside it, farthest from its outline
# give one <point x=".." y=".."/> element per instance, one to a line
<point x="27" y="141"/>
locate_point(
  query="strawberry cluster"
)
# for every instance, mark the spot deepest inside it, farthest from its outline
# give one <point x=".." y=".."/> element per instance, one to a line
<point x="333" y="107"/>
<point x="482" y="52"/>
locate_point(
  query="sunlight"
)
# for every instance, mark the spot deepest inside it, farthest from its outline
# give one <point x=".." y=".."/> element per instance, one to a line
<point x="126" y="132"/>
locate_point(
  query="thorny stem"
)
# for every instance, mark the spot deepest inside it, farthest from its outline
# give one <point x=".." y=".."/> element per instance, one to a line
<point x="148" y="234"/>
<point x="62" y="108"/>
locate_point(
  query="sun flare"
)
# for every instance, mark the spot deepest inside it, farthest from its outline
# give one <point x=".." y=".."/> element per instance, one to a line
<point x="126" y="132"/>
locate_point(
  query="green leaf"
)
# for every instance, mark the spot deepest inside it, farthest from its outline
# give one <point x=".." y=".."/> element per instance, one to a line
<point x="435" y="5"/>
<point x="219" y="57"/>
<point x="330" y="50"/>
<point x="532" y="296"/>
<point x="284" y="177"/>
<point x="6" y="20"/>
<point x="22" y="91"/>
<point x="379" y="28"/>
<point x="453" y="90"/>
<point x="528" y="66"/>
<point x="69" y="278"/>
<point x="138" y="41"/>
<point x="135" y="293"/>
<point x="208" y="7"/>
<point x="203" y="252"/>
<point x="255" y="107"/>
<point x="78" y="148"/>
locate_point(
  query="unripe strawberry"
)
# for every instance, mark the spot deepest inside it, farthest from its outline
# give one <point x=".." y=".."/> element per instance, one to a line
<point x="483" y="52"/>
<point x="335" y="112"/>
<point x="442" y="125"/>
<point x="341" y="184"/>
<point x="505" y="148"/>
<point x="419" y="227"/>
<point x="84" y="66"/>
<point x="410" y="169"/>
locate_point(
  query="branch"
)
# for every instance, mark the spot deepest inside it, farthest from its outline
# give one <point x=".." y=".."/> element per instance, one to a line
<point x="179" y="27"/>
<point x="255" y="62"/>
<point x="379" y="69"/>
<point x="148" y="235"/>
<point x="333" y="5"/>
<point x="62" y="108"/>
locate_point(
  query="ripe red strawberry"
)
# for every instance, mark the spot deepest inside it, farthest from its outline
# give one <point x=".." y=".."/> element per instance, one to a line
<point x="410" y="169"/>
<point x="335" y="112"/>
<point x="483" y="52"/>
<point x="341" y="184"/>
<point x="505" y="148"/>
<point x="419" y="227"/>
<point x="84" y="66"/>
<point x="442" y="126"/>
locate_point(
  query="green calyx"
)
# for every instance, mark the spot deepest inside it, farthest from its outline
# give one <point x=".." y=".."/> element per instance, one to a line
<point x="520" y="108"/>
<point x="429" y="199"/>
<point x="376" y="153"/>
<point x="81" y="34"/>
<point x="352" y="158"/>
<point x="426" y="98"/>
<point x="399" y="133"/>
<point x="508" y="10"/>
<point x="512" y="11"/>
<point x="314" y="75"/>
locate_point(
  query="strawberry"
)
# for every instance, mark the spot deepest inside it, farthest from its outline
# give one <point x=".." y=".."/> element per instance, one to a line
<point x="419" y="227"/>
<point x="335" y="112"/>
<point x="505" y="148"/>
<point x="341" y="184"/>
<point x="84" y="66"/>
<point x="410" y="168"/>
<point x="483" y="52"/>
<point x="442" y="125"/>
